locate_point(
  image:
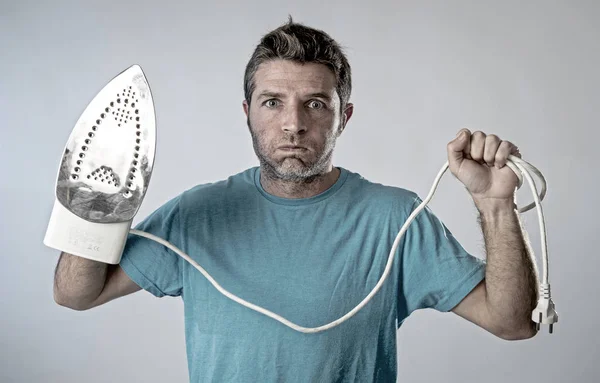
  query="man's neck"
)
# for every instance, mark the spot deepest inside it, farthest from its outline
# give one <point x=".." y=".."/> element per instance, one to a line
<point x="302" y="189"/>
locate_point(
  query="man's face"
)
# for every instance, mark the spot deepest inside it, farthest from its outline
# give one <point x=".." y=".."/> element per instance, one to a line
<point x="294" y="119"/>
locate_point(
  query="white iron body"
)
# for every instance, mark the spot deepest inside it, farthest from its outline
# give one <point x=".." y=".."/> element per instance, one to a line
<point x="103" y="242"/>
<point x="105" y="171"/>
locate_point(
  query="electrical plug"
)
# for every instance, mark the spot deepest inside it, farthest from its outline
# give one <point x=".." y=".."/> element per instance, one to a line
<point x="544" y="313"/>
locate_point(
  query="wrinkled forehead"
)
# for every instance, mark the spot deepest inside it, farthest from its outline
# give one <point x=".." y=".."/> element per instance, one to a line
<point x="284" y="76"/>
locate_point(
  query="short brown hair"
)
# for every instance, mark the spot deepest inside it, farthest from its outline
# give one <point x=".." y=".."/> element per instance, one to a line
<point x="299" y="43"/>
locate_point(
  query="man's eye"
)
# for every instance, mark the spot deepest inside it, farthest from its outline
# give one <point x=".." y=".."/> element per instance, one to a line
<point x="314" y="104"/>
<point x="271" y="103"/>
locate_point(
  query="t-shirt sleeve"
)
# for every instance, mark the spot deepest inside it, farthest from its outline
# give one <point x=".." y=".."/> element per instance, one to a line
<point x="152" y="266"/>
<point x="436" y="271"/>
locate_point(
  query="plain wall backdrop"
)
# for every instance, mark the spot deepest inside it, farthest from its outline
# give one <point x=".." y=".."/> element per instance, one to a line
<point x="524" y="70"/>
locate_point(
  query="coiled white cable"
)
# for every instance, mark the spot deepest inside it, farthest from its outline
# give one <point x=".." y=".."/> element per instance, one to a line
<point x="520" y="167"/>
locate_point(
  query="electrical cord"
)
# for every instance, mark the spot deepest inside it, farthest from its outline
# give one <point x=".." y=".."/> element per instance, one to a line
<point x="544" y="313"/>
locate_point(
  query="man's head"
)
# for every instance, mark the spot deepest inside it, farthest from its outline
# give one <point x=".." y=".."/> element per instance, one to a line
<point x="297" y="86"/>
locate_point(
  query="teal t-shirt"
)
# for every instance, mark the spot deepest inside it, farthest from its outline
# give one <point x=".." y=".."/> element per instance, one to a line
<point x="309" y="260"/>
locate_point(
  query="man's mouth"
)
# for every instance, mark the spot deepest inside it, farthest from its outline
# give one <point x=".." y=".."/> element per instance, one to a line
<point x="291" y="148"/>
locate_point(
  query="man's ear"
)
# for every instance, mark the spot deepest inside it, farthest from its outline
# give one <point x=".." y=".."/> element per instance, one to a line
<point x="246" y="107"/>
<point x="346" y="116"/>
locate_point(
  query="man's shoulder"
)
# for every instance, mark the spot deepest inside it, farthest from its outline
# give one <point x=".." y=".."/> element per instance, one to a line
<point x="381" y="192"/>
<point x="234" y="185"/>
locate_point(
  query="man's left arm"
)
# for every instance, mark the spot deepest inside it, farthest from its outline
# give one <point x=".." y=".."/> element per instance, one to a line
<point x="502" y="303"/>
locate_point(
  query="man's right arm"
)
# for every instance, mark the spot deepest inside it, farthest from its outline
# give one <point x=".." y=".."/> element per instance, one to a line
<point x="81" y="283"/>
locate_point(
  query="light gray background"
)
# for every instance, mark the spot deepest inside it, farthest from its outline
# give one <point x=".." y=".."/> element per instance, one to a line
<point x="527" y="71"/>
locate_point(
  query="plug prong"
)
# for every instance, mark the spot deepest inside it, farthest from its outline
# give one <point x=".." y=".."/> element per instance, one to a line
<point x="551" y="328"/>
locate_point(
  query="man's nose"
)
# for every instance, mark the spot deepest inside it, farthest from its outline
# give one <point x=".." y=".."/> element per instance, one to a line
<point x="293" y="121"/>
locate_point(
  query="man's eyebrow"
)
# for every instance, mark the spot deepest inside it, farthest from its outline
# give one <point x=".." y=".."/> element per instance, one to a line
<point x="268" y="93"/>
<point x="320" y="95"/>
<point x="272" y="94"/>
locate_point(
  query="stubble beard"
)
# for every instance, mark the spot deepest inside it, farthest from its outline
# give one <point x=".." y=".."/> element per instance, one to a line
<point x="293" y="168"/>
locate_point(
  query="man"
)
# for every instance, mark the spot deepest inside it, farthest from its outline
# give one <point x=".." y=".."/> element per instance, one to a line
<point x="309" y="241"/>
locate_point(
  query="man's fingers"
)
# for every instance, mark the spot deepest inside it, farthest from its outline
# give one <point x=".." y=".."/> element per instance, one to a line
<point x="502" y="154"/>
<point x="477" y="146"/>
<point x="458" y="148"/>
<point x="505" y="149"/>
<point x="492" y="143"/>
